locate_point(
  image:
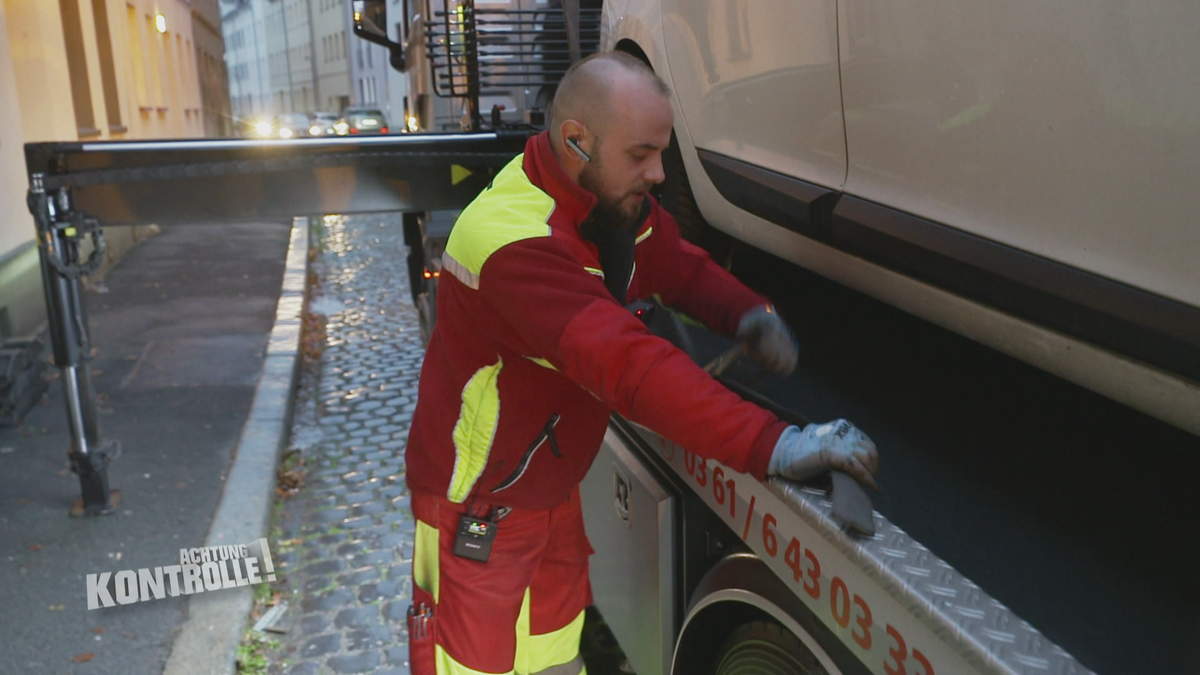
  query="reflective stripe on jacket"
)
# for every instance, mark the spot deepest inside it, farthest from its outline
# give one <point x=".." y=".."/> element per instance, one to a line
<point x="531" y="352"/>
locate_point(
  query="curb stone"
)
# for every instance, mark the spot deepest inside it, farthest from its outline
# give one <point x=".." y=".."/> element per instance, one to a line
<point x="207" y="641"/>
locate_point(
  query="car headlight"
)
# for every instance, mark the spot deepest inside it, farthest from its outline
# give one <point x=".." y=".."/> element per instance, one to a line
<point x="263" y="128"/>
<point x="342" y="128"/>
<point x="314" y="130"/>
<point x="285" y="133"/>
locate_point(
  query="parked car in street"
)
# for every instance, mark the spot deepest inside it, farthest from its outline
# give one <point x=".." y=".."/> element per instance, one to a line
<point x="357" y="121"/>
<point x="291" y="125"/>
<point x="322" y="124"/>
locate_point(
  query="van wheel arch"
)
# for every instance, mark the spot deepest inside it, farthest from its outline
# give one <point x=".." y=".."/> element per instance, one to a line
<point x="675" y="192"/>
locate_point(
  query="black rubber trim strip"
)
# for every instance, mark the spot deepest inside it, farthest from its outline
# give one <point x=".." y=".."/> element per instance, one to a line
<point x="1147" y="327"/>
<point x="1141" y="325"/>
<point x="799" y="206"/>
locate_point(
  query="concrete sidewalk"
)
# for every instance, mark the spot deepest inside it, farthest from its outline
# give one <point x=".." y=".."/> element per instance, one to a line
<point x="181" y="337"/>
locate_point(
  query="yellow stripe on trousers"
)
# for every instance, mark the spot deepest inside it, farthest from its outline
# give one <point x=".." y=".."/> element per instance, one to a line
<point x="553" y="653"/>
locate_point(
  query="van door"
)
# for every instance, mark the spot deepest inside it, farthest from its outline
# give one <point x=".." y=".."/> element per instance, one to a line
<point x="757" y="80"/>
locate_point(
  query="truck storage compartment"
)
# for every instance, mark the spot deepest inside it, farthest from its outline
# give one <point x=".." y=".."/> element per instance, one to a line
<point x="628" y="506"/>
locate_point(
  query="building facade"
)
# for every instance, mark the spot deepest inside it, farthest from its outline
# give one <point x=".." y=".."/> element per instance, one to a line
<point x="369" y="72"/>
<point x="331" y="41"/>
<point x="75" y="70"/>
<point x="289" y="55"/>
<point x="247" y="60"/>
<point x="214" y="77"/>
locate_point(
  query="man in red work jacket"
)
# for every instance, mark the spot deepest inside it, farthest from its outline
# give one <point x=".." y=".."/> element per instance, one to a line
<point x="532" y="350"/>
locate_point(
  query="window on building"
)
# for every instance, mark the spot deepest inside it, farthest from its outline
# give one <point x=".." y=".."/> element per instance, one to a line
<point x="81" y="89"/>
<point x="108" y="73"/>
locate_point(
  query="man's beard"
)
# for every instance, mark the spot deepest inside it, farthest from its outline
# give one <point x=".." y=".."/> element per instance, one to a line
<point x="608" y="211"/>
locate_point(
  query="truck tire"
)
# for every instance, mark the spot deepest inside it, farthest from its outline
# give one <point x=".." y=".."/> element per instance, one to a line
<point x="675" y="195"/>
<point x="765" y="648"/>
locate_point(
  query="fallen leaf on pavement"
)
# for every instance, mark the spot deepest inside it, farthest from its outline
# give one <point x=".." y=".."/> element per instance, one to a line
<point x="83" y="658"/>
<point x="98" y="630"/>
<point x="35" y="547"/>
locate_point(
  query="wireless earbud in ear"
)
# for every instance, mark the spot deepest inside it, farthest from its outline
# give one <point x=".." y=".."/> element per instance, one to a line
<point x="573" y="143"/>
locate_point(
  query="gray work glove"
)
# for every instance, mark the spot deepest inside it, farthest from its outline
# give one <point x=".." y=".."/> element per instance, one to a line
<point x="838" y="445"/>
<point x="768" y="340"/>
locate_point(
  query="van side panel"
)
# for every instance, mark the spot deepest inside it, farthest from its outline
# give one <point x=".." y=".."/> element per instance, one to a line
<point x="1068" y="130"/>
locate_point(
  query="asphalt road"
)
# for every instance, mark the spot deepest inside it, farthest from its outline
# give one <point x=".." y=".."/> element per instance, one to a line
<point x="1081" y="515"/>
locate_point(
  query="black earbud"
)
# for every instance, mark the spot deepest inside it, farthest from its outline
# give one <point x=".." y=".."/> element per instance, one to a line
<point x="573" y="143"/>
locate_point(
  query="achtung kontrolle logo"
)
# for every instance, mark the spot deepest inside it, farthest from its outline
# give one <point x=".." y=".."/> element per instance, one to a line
<point x="210" y="568"/>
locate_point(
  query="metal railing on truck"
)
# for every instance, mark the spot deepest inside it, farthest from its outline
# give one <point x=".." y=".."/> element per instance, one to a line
<point x="504" y="47"/>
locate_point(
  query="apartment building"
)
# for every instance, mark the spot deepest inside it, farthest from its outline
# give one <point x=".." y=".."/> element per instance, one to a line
<point x="214" y="77"/>
<point x="331" y="41"/>
<point x="369" y="71"/>
<point x="247" y="60"/>
<point x="290" y="55"/>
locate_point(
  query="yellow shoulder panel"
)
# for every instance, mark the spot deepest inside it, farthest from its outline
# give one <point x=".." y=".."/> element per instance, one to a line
<point x="511" y="209"/>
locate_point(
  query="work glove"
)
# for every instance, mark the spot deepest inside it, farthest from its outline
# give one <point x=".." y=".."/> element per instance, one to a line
<point x="837" y="445"/>
<point x="768" y="340"/>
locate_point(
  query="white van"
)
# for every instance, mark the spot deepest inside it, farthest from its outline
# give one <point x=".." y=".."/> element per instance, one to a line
<point x="1021" y="173"/>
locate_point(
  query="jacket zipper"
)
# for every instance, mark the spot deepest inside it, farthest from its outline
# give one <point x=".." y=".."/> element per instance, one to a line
<point x="547" y="434"/>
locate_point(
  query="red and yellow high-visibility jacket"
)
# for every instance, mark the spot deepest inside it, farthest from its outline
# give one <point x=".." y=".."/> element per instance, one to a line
<point x="531" y="352"/>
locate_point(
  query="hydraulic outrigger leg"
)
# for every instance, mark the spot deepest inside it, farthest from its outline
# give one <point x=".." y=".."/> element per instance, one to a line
<point x="60" y="232"/>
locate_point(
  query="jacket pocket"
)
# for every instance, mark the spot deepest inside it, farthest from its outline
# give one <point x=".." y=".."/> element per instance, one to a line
<point x="547" y="434"/>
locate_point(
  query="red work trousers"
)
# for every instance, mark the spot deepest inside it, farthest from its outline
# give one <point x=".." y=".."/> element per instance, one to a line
<point x="520" y="612"/>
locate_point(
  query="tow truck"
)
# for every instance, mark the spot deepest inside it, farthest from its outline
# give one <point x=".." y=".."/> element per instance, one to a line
<point x="699" y="569"/>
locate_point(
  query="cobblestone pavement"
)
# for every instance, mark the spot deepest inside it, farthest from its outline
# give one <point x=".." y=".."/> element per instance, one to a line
<point x="345" y="539"/>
